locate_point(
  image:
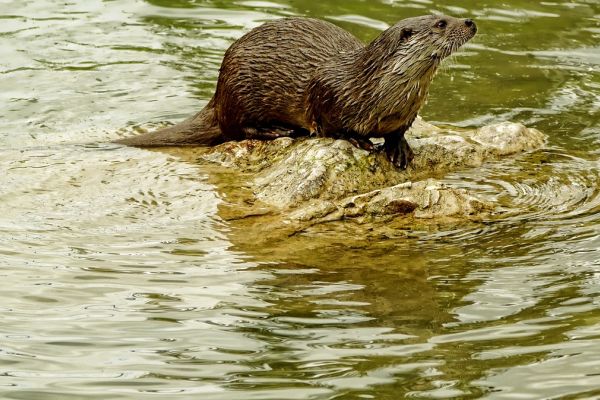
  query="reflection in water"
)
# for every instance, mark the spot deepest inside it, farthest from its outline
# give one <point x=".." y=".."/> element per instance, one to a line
<point x="122" y="280"/>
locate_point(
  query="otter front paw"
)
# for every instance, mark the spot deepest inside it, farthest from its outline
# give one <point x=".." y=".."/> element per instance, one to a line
<point x="398" y="151"/>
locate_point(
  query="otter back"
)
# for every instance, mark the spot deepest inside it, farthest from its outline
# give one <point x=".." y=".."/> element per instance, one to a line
<point x="265" y="73"/>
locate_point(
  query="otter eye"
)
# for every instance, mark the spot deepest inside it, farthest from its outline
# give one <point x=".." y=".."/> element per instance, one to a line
<point x="441" y="24"/>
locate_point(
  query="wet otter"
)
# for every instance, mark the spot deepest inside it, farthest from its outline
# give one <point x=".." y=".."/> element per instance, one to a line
<point x="295" y="76"/>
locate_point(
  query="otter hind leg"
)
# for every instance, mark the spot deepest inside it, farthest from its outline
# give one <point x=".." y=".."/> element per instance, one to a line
<point x="361" y="142"/>
<point x="397" y="150"/>
<point x="272" y="133"/>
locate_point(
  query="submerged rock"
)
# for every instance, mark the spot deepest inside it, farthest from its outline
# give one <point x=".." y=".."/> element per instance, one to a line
<point x="322" y="179"/>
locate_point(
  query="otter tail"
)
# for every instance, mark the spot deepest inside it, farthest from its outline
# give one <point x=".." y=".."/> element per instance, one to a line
<point x="201" y="129"/>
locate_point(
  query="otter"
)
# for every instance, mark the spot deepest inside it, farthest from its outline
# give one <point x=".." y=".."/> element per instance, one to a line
<point x="304" y="76"/>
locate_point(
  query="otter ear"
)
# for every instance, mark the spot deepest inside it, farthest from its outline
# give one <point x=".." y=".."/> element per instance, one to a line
<point x="405" y="34"/>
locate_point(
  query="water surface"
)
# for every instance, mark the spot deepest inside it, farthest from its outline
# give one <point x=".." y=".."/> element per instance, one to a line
<point x="123" y="281"/>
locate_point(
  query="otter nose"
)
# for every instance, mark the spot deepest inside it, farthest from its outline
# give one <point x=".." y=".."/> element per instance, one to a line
<point x="470" y="24"/>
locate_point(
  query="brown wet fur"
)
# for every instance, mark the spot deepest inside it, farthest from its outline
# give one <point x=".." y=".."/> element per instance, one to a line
<point x="295" y="76"/>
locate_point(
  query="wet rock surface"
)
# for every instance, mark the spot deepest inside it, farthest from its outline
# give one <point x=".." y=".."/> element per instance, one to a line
<point x="314" y="180"/>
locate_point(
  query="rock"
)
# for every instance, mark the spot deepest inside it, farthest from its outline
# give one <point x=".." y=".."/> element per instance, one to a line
<point x="315" y="180"/>
<point x="508" y="138"/>
<point x="426" y="199"/>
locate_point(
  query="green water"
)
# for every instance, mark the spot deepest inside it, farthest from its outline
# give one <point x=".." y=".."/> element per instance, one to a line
<point x="122" y="280"/>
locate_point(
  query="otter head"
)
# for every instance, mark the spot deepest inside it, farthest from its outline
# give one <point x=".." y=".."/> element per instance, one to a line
<point x="416" y="46"/>
<point x="448" y="34"/>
